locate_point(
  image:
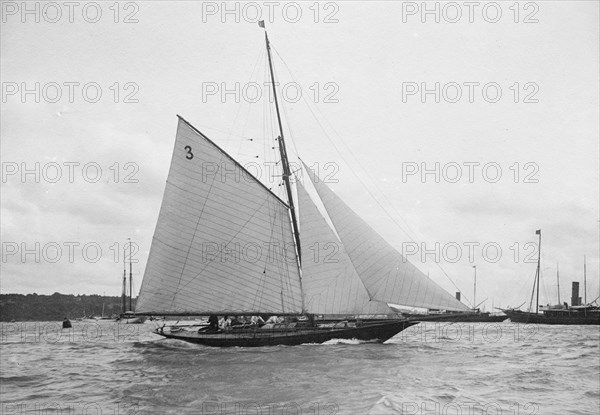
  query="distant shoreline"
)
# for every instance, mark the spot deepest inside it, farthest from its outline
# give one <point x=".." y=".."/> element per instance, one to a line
<point x="55" y="307"/>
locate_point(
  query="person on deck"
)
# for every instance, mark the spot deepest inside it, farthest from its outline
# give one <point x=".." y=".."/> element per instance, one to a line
<point x="274" y="320"/>
<point x="257" y="321"/>
<point x="213" y="322"/>
<point x="225" y="323"/>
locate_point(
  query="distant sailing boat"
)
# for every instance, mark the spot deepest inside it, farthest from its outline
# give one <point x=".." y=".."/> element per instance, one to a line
<point x="103" y="317"/>
<point x="226" y="245"/>
<point x="129" y="316"/>
<point x="576" y="314"/>
<point x="473" y="315"/>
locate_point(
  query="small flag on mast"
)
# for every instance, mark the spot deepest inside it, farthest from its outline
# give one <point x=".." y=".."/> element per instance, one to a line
<point x="261" y="23"/>
<point x="538" y="232"/>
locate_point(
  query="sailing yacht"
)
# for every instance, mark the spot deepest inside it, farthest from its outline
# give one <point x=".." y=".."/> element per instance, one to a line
<point x="474" y="315"/>
<point x="226" y="245"/>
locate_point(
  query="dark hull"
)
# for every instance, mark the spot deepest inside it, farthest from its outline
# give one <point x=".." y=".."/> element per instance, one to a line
<point x="458" y="317"/>
<point x="257" y="337"/>
<point x="574" y="318"/>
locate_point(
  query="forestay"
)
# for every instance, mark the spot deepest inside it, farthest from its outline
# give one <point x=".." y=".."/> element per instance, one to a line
<point x="223" y="241"/>
<point x="386" y="274"/>
<point x="329" y="280"/>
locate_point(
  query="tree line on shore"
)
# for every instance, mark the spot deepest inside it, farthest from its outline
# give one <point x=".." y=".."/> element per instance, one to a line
<point x="34" y="307"/>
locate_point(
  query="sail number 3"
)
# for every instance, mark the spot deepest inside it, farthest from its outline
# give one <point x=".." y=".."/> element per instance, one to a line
<point x="189" y="155"/>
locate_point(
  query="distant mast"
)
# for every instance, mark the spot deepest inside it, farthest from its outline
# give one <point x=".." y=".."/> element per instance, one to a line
<point x="282" y="150"/>
<point x="584" y="282"/>
<point x="537" y="297"/>
<point x="124" y="292"/>
<point x="474" y="287"/>
<point x="130" y="278"/>
<point x="557" y="283"/>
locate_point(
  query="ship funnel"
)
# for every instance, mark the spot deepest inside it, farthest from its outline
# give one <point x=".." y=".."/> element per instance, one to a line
<point x="458" y="295"/>
<point x="575" y="300"/>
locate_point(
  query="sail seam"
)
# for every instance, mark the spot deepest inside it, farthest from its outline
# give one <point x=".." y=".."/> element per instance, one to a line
<point x="192" y="239"/>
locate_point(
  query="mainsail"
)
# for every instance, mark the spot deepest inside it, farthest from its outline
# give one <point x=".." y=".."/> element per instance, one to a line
<point x="223" y="242"/>
<point x="329" y="281"/>
<point x="386" y="274"/>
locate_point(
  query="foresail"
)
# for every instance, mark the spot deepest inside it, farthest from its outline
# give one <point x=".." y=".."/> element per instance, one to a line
<point x="329" y="280"/>
<point x="386" y="274"/>
<point x="223" y="242"/>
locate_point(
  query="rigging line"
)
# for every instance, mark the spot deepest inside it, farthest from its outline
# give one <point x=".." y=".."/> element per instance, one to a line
<point x="273" y="217"/>
<point x="237" y="113"/>
<point x="240" y="154"/>
<point x="545" y="287"/>
<point x="288" y="119"/>
<point x="406" y="232"/>
<point x="521" y="289"/>
<point x="223" y="246"/>
<point x="261" y="282"/>
<point x="263" y="277"/>
<point x="239" y="107"/>
<point x="532" y="293"/>
<point x="249" y="105"/>
<point x="282" y="267"/>
<point x="294" y="264"/>
<point x="245" y="137"/>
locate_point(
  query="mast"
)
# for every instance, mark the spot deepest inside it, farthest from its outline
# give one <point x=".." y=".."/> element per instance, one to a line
<point x="130" y="278"/>
<point x="124" y="292"/>
<point x="584" y="283"/>
<point x="557" y="283"/>
<point x="474" y="286"/>
<point x="537" y="298"/>
<point x="283" y="153"/>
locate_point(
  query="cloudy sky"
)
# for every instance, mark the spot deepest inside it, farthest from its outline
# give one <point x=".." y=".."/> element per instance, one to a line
<point x="499" y="103"/>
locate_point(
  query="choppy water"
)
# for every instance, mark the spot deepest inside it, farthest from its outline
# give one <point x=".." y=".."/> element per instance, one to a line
<point x="431" y="368"/>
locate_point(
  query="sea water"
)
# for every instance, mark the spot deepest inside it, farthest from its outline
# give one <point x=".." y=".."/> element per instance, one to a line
<point x="432" y="368"/>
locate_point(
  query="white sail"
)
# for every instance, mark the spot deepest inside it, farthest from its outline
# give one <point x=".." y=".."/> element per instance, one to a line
<point x="223" y="242"/>
<point x="329" y="280"/>
<point x="386" y="274"/>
